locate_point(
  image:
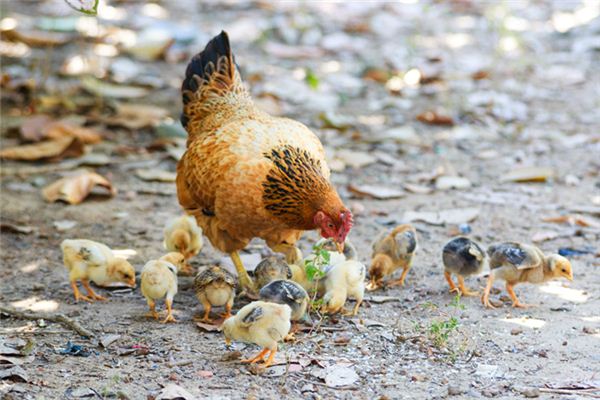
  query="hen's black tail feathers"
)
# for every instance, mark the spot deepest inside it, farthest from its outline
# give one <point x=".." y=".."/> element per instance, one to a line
<point x="211" y="73"/>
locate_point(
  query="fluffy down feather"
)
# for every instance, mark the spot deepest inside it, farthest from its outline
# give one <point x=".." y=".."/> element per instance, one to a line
<point x="344" y="280"/>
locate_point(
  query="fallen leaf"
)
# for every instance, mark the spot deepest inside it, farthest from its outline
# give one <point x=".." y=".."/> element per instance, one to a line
<point x="449" y="216"/>
<point x="64" y="225"/>
<point x="108" y="339"/>
<point x="14" y="373"/>
<point x="10" y="227"/>
<point x="355" y="159"/>
<point x="381" y="299"/>
<point x="573" y="220"/>
<point x="208" y="327"/>
<point x="205" y="374"/>
<point x="137" y="116"/>
<point x="80" y="392"/>
<point x="42" y="127"/>
<point x="418" y="189"/>
<point x="365" y="322"/>
<point x="378" y="192"/>
<point x="433" y="118"/>
<point x="175" y="392"/>
<point x="342" y="338"/>
<point x="37" y="38"/>
<point x="528" y="174"/>
<point x="543" y="236"/>
<point x="452" y="182"/>
<point x="150" y="44"/>
<point x="157" y="175"/>
<point x="51" y="150"/>
<point x="337" y="376"/>
<point x="104" y="89"/>
<point x="275" y="371"/>
<point x="16" y="360"/>
<point x="75" y="189"/>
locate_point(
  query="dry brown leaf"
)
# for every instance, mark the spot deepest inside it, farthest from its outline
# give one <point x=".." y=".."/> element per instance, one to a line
<point x="75" y="189"/>
<point x="37" y="38"/>
<point x="157" y="175"/>
<point x="41" y="127"/>
<point x="208" y="327"/>
<point x="418" y="189"/>
<point x="433" y="118"/>
<point x="137" y="116"/>
<point x="51" y="150"/>
<point x="572" y="220"/>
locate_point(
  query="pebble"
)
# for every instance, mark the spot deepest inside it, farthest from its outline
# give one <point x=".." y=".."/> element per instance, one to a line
<point x="516" y="331"/>
<point x="455" y="390"/>
<point x="530" y="392"/>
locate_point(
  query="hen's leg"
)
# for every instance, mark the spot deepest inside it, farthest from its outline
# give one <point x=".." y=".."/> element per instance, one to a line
<point x="292" y="254"/>
<point x="463" y="289"/>
<point x="245" y="280"/>
<point x="485" y="298"/>
<point x="448" y="277"/>
<point x="513" y="296"/>
<point x="90" y="291"/>
<point x="77" y="293"/>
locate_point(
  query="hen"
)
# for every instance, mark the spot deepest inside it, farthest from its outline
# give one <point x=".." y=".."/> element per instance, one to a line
<point x="246" y="174"/>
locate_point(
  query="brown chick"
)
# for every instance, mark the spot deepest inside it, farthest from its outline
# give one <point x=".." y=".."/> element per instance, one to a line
<point x="270" y="269"/>
<point x="215" y="287"/>
<point x="87" y="261"/>
<point x="392" y="251"/>
<point x="517" y="263"/>
<point x="159" y="279"/>
<point x="183" y="235"/>
<point x="462" y="257"/>
<point x="343" y="280"/>
<point x="261" y="323"/>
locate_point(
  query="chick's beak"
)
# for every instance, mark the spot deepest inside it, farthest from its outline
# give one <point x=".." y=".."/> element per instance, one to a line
<point x="131" y="282"/>
<point x="228" y="341"/>
<point x="570" y="277"/>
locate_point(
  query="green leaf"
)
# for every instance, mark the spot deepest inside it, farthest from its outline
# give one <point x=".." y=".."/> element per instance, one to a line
<point x="311" y="79"/>
<point x="89" y="7"/>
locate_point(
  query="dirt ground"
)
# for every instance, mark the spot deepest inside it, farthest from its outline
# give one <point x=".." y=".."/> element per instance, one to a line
<point x="536" y="104"/>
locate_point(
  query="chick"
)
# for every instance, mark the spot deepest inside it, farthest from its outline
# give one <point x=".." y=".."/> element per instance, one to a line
<point x="87" y="261"/>
<point x="462" y="257"/>
<point x="516" y="263"/>
<point x="390" y="252"/>
<point x="159" y="279"/>
<point x="270" y="269"/>
<point x="261" y="323"/>
<point x="345" y="279"/>
<point x="183" y="235"/>
<point x="287" y="292"/>
<point x="349" y="252"/>
<point x="215" y="287"/>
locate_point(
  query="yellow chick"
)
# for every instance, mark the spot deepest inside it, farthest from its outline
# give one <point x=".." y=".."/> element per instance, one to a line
<point x="349" y="252"/>
<point x="391" y="251"/>
<point x="516" y="263"/>
<point x="343" y="280"/>
<point x="87" y="260"/>
<point x="215" y="287"/>
<point x="264" y="324"/>
<point x="270" y="269"/>
<point x="159" y="279"/>
<point x="184" y="236"/>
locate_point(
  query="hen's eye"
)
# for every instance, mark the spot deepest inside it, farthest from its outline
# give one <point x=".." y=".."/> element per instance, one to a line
<point x="330" y="225"/>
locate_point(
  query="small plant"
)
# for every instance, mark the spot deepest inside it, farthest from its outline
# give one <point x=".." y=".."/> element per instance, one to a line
<point x="440" y="330"/>
<point x="456" y="303"/>
<point x="314" y="267"/>
<point x="311" y="79"/>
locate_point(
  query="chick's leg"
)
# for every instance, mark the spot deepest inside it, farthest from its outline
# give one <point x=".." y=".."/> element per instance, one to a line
<point x="485" y="298"/>
<point x="152" y="313"/>
<point x="270" y="359"/>
<point x="259" y="357"/>
<point x="77" y="293"/>
<point x="400" y="282"/>
<point x="90" y="291"/>
<point x="513" y="296"/>
<point x="169" y="317"/>
<point x="227" y="312"/>
<point x="245" y="280"/>
<point x="448" y="277"/>
<point x="291" y="252"/>
<point x="463" y="289"/>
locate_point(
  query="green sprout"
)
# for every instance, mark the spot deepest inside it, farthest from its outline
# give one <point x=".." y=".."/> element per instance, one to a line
<point x="440" y="330"/>
<point x="312" y="79"/>
<point x="314" y="267"/>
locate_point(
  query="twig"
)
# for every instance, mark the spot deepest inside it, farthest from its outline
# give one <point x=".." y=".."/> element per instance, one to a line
<point x="580" y="392"/>
<point x="60" y="318"/>
<point x="182" y="363"/>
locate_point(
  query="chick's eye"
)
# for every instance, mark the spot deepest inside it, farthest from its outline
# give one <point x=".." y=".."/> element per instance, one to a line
<point x="564" y="270"/>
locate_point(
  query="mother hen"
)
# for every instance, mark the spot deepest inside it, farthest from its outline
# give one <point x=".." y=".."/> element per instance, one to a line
<point x="247" y="174"/>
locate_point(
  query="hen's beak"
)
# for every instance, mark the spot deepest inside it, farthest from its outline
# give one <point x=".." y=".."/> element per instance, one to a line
<point x="340" y="247"/>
